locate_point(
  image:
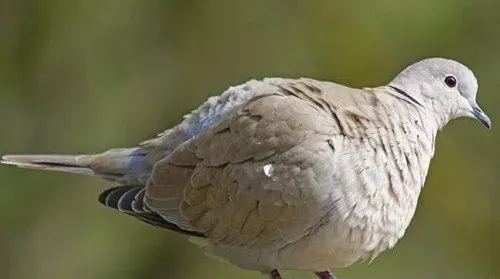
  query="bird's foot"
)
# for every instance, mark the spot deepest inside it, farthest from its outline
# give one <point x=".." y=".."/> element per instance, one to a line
<point x="274" y="274"/>
<point x="325" y="275"/>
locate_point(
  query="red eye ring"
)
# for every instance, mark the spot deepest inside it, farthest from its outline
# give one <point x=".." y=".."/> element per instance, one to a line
<point x="450" y="81"/>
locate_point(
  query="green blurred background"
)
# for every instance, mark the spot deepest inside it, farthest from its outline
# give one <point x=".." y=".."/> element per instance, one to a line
<point x="87" y="75"/>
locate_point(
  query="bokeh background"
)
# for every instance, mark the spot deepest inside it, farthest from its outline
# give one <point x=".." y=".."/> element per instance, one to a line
<point x="87" y="75"/>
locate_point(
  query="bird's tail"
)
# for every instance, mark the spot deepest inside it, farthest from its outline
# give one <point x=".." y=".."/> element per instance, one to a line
<point x="121" y="165"/>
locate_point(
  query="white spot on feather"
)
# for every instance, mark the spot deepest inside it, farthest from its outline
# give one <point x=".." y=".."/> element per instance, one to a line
<point x="268" y="170"/>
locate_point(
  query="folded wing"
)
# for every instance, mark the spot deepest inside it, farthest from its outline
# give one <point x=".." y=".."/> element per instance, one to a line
<point x="255" y="178"/>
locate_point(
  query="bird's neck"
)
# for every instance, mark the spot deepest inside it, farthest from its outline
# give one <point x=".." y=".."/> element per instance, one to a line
<point x="440" y="111"/>
<point x="438" y="106"/>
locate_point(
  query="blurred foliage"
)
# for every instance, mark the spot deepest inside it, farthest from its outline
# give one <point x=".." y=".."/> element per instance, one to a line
<point x="83" y="76"/>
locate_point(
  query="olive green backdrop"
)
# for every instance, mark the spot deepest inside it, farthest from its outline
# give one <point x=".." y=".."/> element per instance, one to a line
<point x="87" y="75"/>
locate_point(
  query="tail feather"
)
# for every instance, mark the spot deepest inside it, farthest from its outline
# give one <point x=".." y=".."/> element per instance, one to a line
<point x="121" y="165"/>
<point x="79" y="164"/>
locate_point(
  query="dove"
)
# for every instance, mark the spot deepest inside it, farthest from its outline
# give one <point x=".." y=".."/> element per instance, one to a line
<point x="285" y="173"/>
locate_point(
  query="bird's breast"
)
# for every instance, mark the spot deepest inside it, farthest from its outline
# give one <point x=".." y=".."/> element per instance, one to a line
<point x="378" y="181"/>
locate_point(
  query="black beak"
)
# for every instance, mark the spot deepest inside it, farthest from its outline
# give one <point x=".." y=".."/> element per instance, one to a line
<point x="481" y="116"/>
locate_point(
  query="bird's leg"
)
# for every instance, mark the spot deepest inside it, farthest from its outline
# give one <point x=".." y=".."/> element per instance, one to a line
<point x="274" y="274"/>
<point x="325" y="275"/>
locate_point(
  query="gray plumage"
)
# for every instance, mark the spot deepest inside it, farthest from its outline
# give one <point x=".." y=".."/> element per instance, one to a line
<point x="289" y="173"/>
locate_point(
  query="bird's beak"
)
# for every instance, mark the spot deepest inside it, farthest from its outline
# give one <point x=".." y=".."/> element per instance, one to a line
<point x="480" y="115"/>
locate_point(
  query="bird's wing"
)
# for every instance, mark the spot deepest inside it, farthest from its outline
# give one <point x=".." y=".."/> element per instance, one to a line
<point x="258" y="177"/>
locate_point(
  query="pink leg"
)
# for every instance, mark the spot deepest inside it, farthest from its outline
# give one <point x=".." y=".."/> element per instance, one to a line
<point x="325" y="275"/>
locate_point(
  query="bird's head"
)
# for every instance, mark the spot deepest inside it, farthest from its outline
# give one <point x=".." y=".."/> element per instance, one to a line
<point x="444" y="86"/>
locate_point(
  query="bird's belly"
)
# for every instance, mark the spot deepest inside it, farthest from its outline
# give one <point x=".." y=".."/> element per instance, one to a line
<point x="302" y="255"/>
<point x="361" y="228"/>
<point x="338" y="243"/>
<point x="328" y="248"/>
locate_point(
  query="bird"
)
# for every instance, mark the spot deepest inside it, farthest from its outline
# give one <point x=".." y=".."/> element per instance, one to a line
<point x="288" y="173"/>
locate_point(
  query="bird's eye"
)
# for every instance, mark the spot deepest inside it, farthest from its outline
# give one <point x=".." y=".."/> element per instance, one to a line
<point x="450" y="81"/>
